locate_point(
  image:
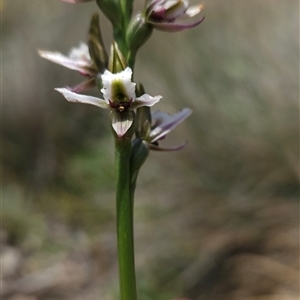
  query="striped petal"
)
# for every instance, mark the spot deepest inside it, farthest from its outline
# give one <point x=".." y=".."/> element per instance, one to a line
<point x="145" y="100"/>
<point x="121" y="122"/>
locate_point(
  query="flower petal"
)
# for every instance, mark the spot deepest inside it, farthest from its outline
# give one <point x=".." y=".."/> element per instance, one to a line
<point x="121" y="122"/>
<point x="81" y="53"/>
<point x="145" y="100"/>
<point x="194" y="10"/>
<point x="58" y="58"/>
<point x="175" y="27"/>
<point x="163" y="123"/>
<point x="175" y="9"/>
<point x="77" y="98"/>
<point x="151" y="5"/>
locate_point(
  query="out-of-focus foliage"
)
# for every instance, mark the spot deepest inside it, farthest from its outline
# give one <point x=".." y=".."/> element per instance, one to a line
<point x="217" y="220"/>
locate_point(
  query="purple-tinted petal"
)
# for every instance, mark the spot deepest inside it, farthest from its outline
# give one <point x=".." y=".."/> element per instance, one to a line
<point x="77" y="98"/>
<point x="145" y="100"/>
<point x="168" y="15"/>
<point x="158" y="148"/>
<point x="121" y="122"/>
<point x="194" y="10"/>
<point x="150" y="5"/>
<point x="163" y="123"/>
<point x="175" y="9"/>
<point x="83" y="86"/>
<point x="175" y="27"/>
<point x="58" y="58"/>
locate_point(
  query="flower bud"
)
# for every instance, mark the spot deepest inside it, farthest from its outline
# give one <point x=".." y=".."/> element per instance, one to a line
<point x="96" y="47"/>
<point x="137" y="33"/>
<point x="140" y="152"/>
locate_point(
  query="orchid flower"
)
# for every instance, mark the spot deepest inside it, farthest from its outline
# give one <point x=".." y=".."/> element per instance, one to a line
<point x="166" y="15"/>
<point x="78" y="59"/>
<point x="119" y="96"/>
<point x="162" y="124"/>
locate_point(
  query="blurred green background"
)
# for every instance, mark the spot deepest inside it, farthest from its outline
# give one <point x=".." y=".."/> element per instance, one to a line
<point x="218" y="220"/>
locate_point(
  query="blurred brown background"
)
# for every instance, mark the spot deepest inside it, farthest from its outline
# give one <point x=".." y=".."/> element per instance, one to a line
<point x="218" y="220"/>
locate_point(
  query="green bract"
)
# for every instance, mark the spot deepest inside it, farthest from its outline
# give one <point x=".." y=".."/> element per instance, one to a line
<point x="112" y="10"/>
<point x="96" y="46"/>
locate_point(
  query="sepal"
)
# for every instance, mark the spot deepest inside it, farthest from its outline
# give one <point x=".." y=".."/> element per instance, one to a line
<point x="117" y="61"/>
<point x="96" y="46"/>
<point x="79" y="98"/>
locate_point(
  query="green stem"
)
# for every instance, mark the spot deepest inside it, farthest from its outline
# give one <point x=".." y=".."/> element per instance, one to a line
<point x="125" y="220"/>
